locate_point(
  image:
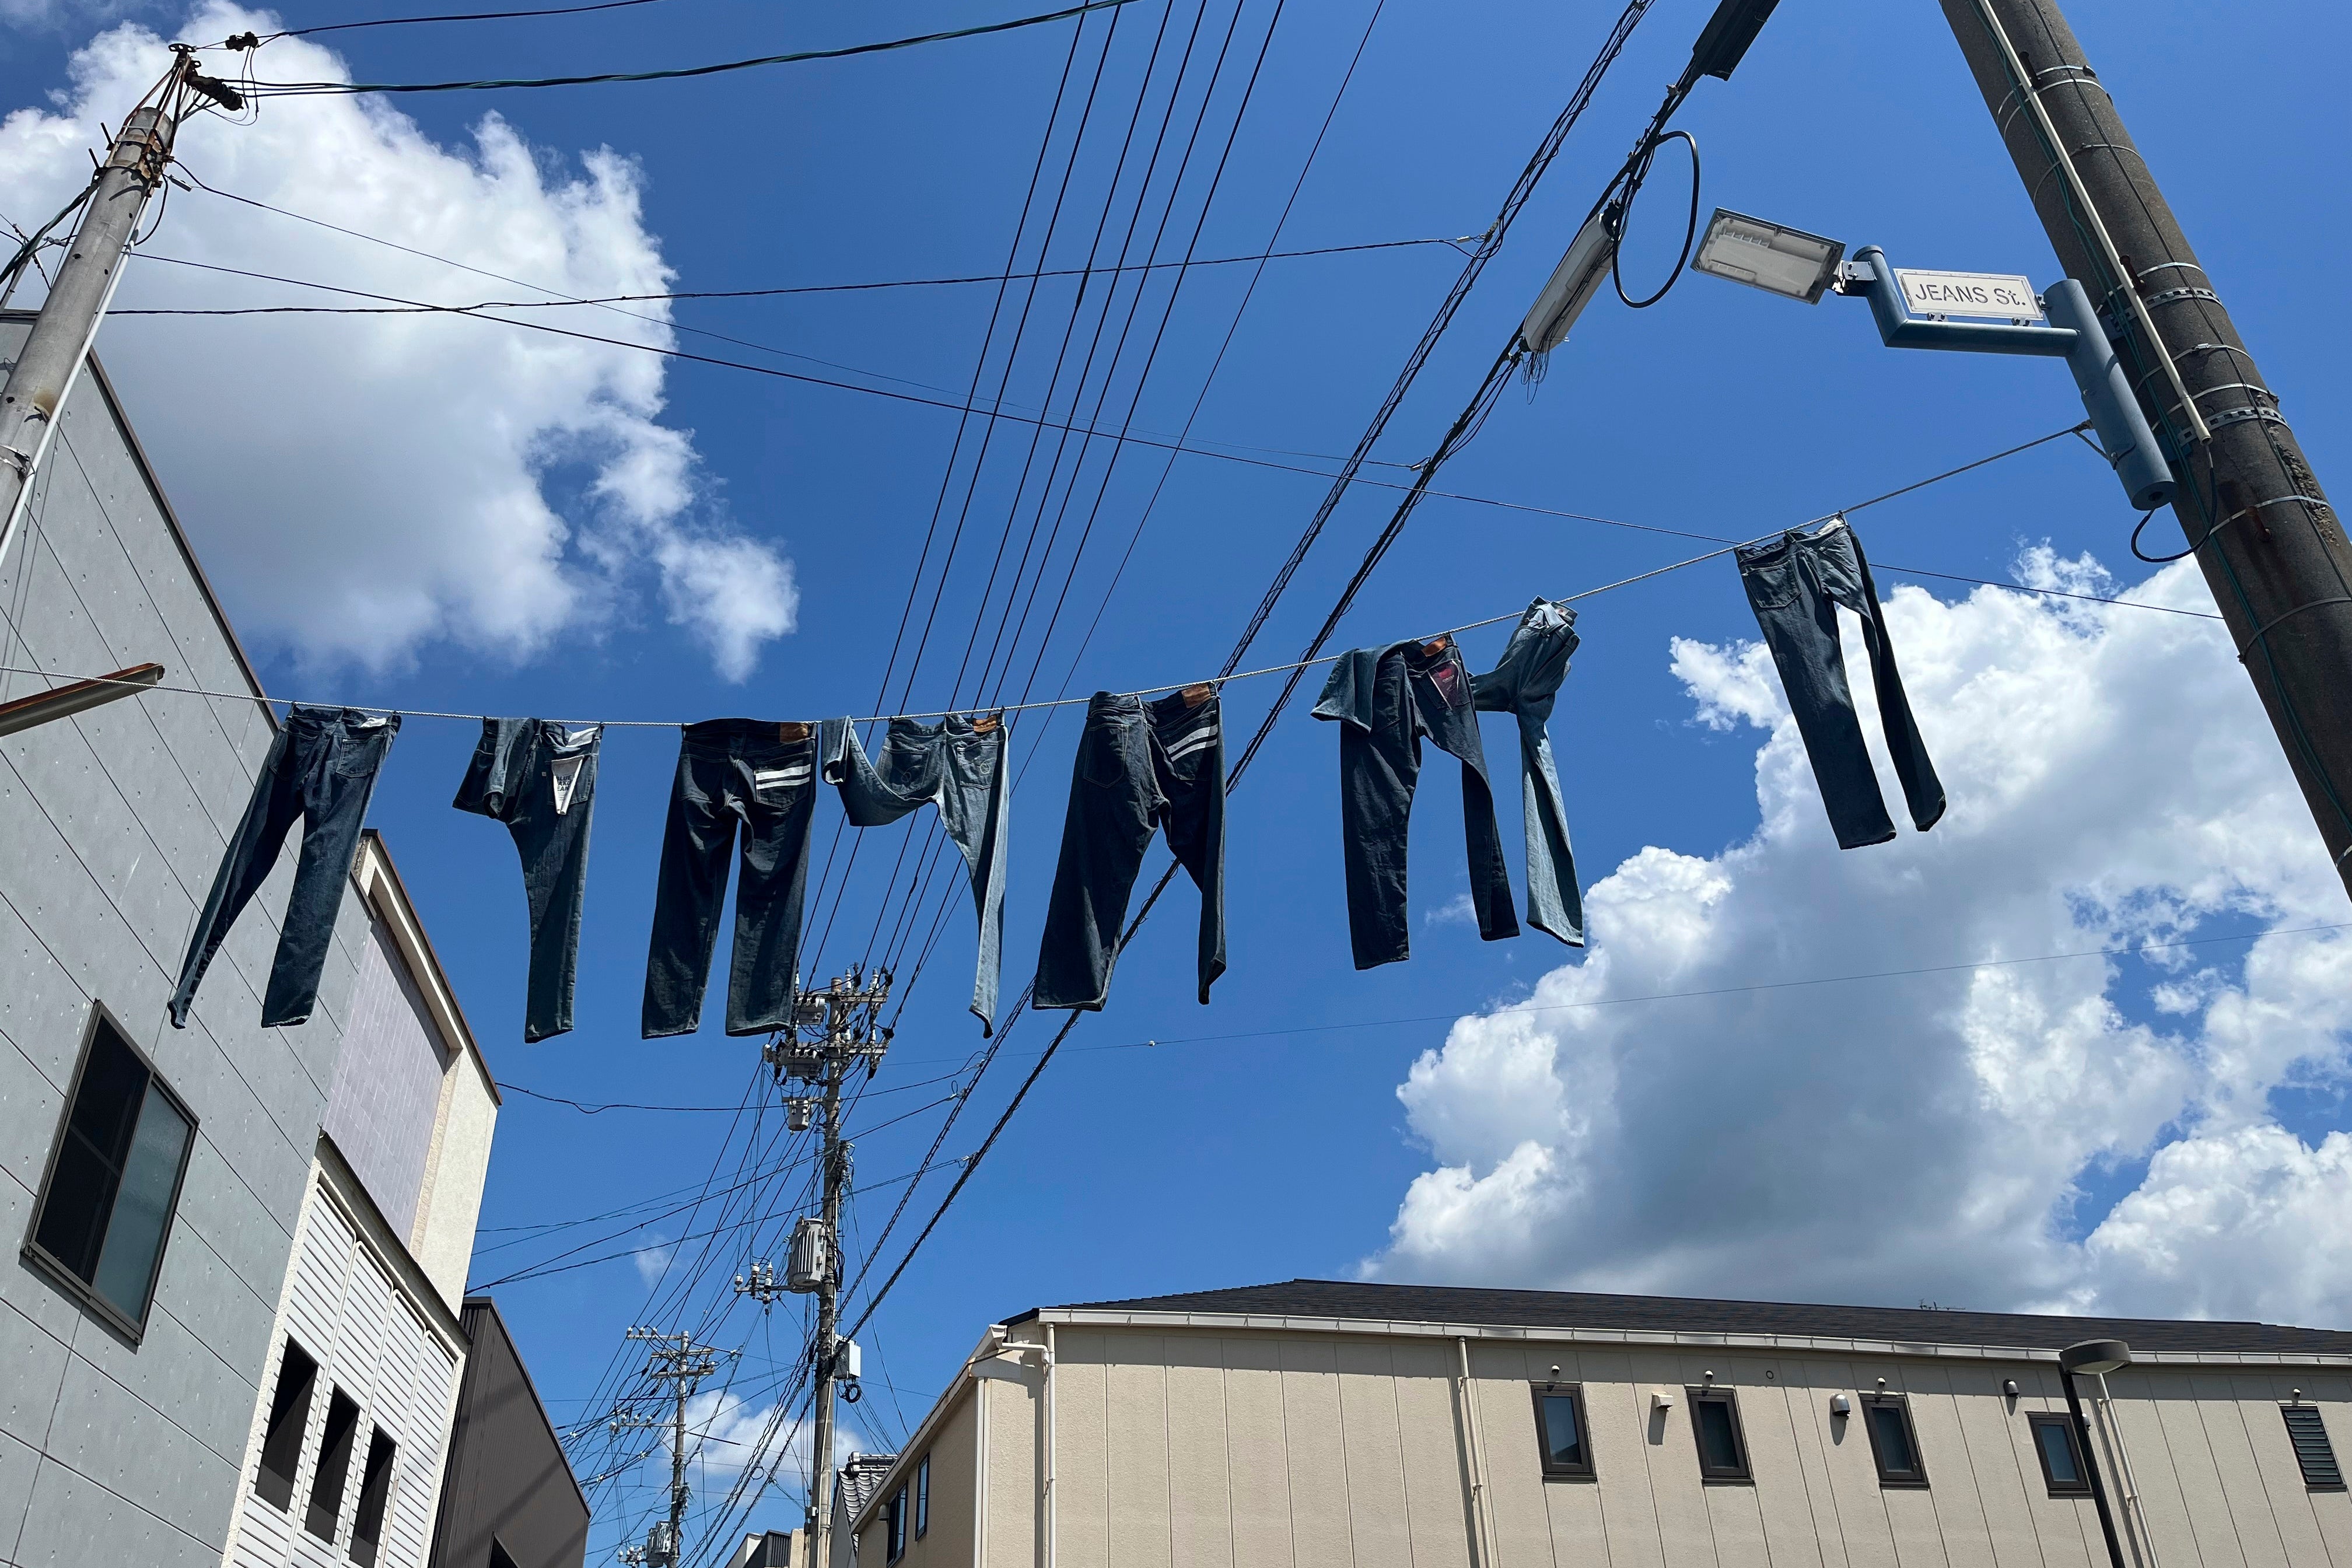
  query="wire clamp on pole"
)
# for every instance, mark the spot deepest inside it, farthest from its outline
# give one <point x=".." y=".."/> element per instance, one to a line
<point x="2165" y="296"/>
<point x="2225" y="417"/>
<point x="20" y="461"/>
<point x="2266" y="629"/>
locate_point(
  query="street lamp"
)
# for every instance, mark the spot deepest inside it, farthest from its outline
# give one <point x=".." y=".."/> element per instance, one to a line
<point x="1768" y="256"/>
<point x="2098" y="1357"/>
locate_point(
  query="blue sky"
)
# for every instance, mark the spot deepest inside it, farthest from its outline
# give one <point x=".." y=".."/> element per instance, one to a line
<point x="702" y="509"/>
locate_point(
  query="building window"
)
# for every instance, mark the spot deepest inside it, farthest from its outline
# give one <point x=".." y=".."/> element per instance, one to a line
<point x="1893" y="1443"/>
<point x="499" y="1556"/>
<point x="113" y="1180"/>
<point x="289" y="1418"/>
<point x="2312" y="1451"/>
<point x="923" y="1497"/>
<point x="2062" y="1458"/>
<point x="334" y="1466"/>
<point x="1560" y="1436"/>
<point x="1715" y="1422"/>
<point x="893" y="1527"/>
<point x="375" y="1492"/>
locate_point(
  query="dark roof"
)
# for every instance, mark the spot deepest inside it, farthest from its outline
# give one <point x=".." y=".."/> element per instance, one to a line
<point x="1678" y="1315"/>
<point x="861" y="1478"/>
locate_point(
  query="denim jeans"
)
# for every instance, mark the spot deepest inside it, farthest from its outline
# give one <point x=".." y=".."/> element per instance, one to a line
<point x="1523" y="683"/>
<point x="1795" y="585"/>
<point x="1386" y="700"/>
<point x="321" y="768"/>
<point x="1141" y="766"/>
<point x="760" y="776"/>
<point x="539" y="778"/>
<point x="959" y="764"/>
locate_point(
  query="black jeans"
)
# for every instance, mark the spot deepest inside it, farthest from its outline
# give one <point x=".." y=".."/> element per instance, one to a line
<point x="321" y="768"/>
<point x="762" y="775"/>
<point x="959" y="764"/>
<point x="1140" y="765"/>
<point x="1795" y="585"/>
<point x="539" y="778"/>
<point x="1386" y="700"/>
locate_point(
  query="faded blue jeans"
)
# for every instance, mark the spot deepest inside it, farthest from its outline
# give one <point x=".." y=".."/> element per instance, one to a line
<point x="961" y="765"/>
<point x="1523" y="683"/>
<point x="1386" y="700"/>
<point x="322" y="769"/>
<point x="1795" y="585"/>
<point x="539" y="778"/>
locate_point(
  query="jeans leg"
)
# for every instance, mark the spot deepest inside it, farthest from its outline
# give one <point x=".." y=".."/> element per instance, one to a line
<point x="1923" y="792"/>
<point x="1103" y="836"/>
<point x="1800" y="625"/>
<point x="336" y="784"/>
<point x="1192" y="759"/>
<point x="771" y="892"/>
<point x="553" y="847"/>
<point x="1378" y="771"/>
<point x="1554" y="903"/>
<point x="993" y="798"/>
<point x="693" y="883"/>
<point x="251" y="855"/>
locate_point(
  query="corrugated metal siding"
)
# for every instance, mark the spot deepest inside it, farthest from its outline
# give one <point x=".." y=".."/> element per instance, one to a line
<point x="387" y="1082"/>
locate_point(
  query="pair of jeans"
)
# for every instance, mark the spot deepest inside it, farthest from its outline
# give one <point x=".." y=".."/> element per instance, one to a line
<point x="1141" y="766"/>
<point x="539" y="778"/>
<point x="960" y="765"/>
<point x="1523" y="684"/>
<point x="759" y="776"/>
<point x="1795" y="584"/>
<point x="321" y="768"/>
<point x="1386" y="700"/>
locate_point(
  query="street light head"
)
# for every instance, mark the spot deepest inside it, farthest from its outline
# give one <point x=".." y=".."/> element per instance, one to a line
<point x="1724" y="42"/>
<point x="2094" y="1356"/>
<point x="1768" y="256"/>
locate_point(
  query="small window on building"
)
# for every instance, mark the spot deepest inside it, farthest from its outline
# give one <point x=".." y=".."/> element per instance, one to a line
<point x="499" y="1556"/>
<point x="893" y="1527"/>
<point x="1715" y="1422"/>
<point x="289" y="1417"/>
<point x="923" y="1497"/>
<point x="2062" y="1458"/>
<point x="1893" y="1442"/>
<point x="334" y="1466"/>
<point x="375" y="1492"/>
<point x="1560" y="1437"/>
<point x="113" y="1180"/>
<point x="2312" y="1451"/>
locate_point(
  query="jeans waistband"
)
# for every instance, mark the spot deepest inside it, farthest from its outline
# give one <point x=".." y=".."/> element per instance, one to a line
<point x="357" y="722"/>
<point x="744" y="737"/>
<point x="564" y="739"/>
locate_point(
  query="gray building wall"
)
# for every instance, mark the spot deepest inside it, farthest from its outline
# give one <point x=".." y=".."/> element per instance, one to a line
<point x="507" y="1477"/>
<point x="112" y="826"/>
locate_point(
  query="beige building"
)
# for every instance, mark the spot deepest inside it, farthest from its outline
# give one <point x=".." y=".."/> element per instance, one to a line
<point x="1320" y="1423"/>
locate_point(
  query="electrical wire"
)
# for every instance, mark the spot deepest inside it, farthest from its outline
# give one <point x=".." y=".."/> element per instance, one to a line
<point x="260" y="90"/>
<point x="1625" y="218"/>
<point x="417" y="21"/>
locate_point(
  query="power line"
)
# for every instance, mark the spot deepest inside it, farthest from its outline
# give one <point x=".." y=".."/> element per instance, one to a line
<point x="348" y="89"/>
<point x="463" y="16"/>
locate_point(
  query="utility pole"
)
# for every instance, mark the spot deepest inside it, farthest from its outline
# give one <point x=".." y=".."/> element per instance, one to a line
<point x="834" y="1030"/>
<point x="2271" y="546"/>
<point x="678" y="1360"/>
<point x="51" y="360"/>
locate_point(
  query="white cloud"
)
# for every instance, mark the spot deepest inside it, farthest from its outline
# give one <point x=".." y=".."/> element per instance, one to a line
<point x="737" y="1434"/>
<point x="2112" y="781"/>
<point x="365" y="485"/>
<point x="653" y="1262"/>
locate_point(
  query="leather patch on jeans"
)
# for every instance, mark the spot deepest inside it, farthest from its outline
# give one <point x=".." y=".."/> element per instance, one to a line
<point x="789" y="732"/>
<point x="1197" y="693"/>
<point x="986" y="724"/>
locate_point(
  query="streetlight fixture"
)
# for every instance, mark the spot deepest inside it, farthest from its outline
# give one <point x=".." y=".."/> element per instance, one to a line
<point x="2097" y="1357"/>
<point x="1768" y="256"/>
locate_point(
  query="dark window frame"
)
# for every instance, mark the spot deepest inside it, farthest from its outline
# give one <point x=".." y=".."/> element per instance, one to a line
<point x="375" y="1497"/>
<point x="1916" y="1478"/>
<point x="268" y="1481"/>
<point x="62" y="1274"/>
<point x="2288" y="1414"/>
<point x="1741" y="1474"/>
<point x="922" y="1497"/>
<point x="331" y="1473"/>
<point x="2035" y="1422"/>
<point x="894" y="1525"/>
<point x="1584" y="1471"/>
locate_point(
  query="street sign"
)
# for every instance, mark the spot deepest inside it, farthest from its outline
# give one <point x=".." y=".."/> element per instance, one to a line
<point x="1997" y="294"/>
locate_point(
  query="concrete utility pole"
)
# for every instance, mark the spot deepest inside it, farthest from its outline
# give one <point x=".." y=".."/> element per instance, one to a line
<point x="678" y="1360"/>
<point x="2272" y="548"/>
<point x="52" y="357"/>
<point x="834" y="1029"/>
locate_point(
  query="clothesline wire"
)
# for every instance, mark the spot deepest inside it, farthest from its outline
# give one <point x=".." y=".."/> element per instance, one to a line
<point x="1279" y="668"/>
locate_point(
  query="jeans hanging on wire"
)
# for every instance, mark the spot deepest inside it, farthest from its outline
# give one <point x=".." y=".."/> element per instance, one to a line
<point x="959" y="764"/>
<point x="539" y="778"/>
<point x="1523" y="683"/>
<point x="1140" y="765"/>
<point x="759" y="776"/>
<point x="1386" y="700"/>
<point x="1795" y="584"/>
<point x="321" y="768"/>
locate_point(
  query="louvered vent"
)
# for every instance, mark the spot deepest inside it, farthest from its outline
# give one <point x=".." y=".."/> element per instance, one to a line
<point x="2312" y="1449"/>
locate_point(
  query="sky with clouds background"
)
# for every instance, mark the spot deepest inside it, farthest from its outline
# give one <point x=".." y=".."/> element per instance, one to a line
<point x="1928" y="1070"/>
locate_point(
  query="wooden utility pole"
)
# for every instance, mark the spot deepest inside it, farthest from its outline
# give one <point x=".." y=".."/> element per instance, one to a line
<point x="2272" y="548"/>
